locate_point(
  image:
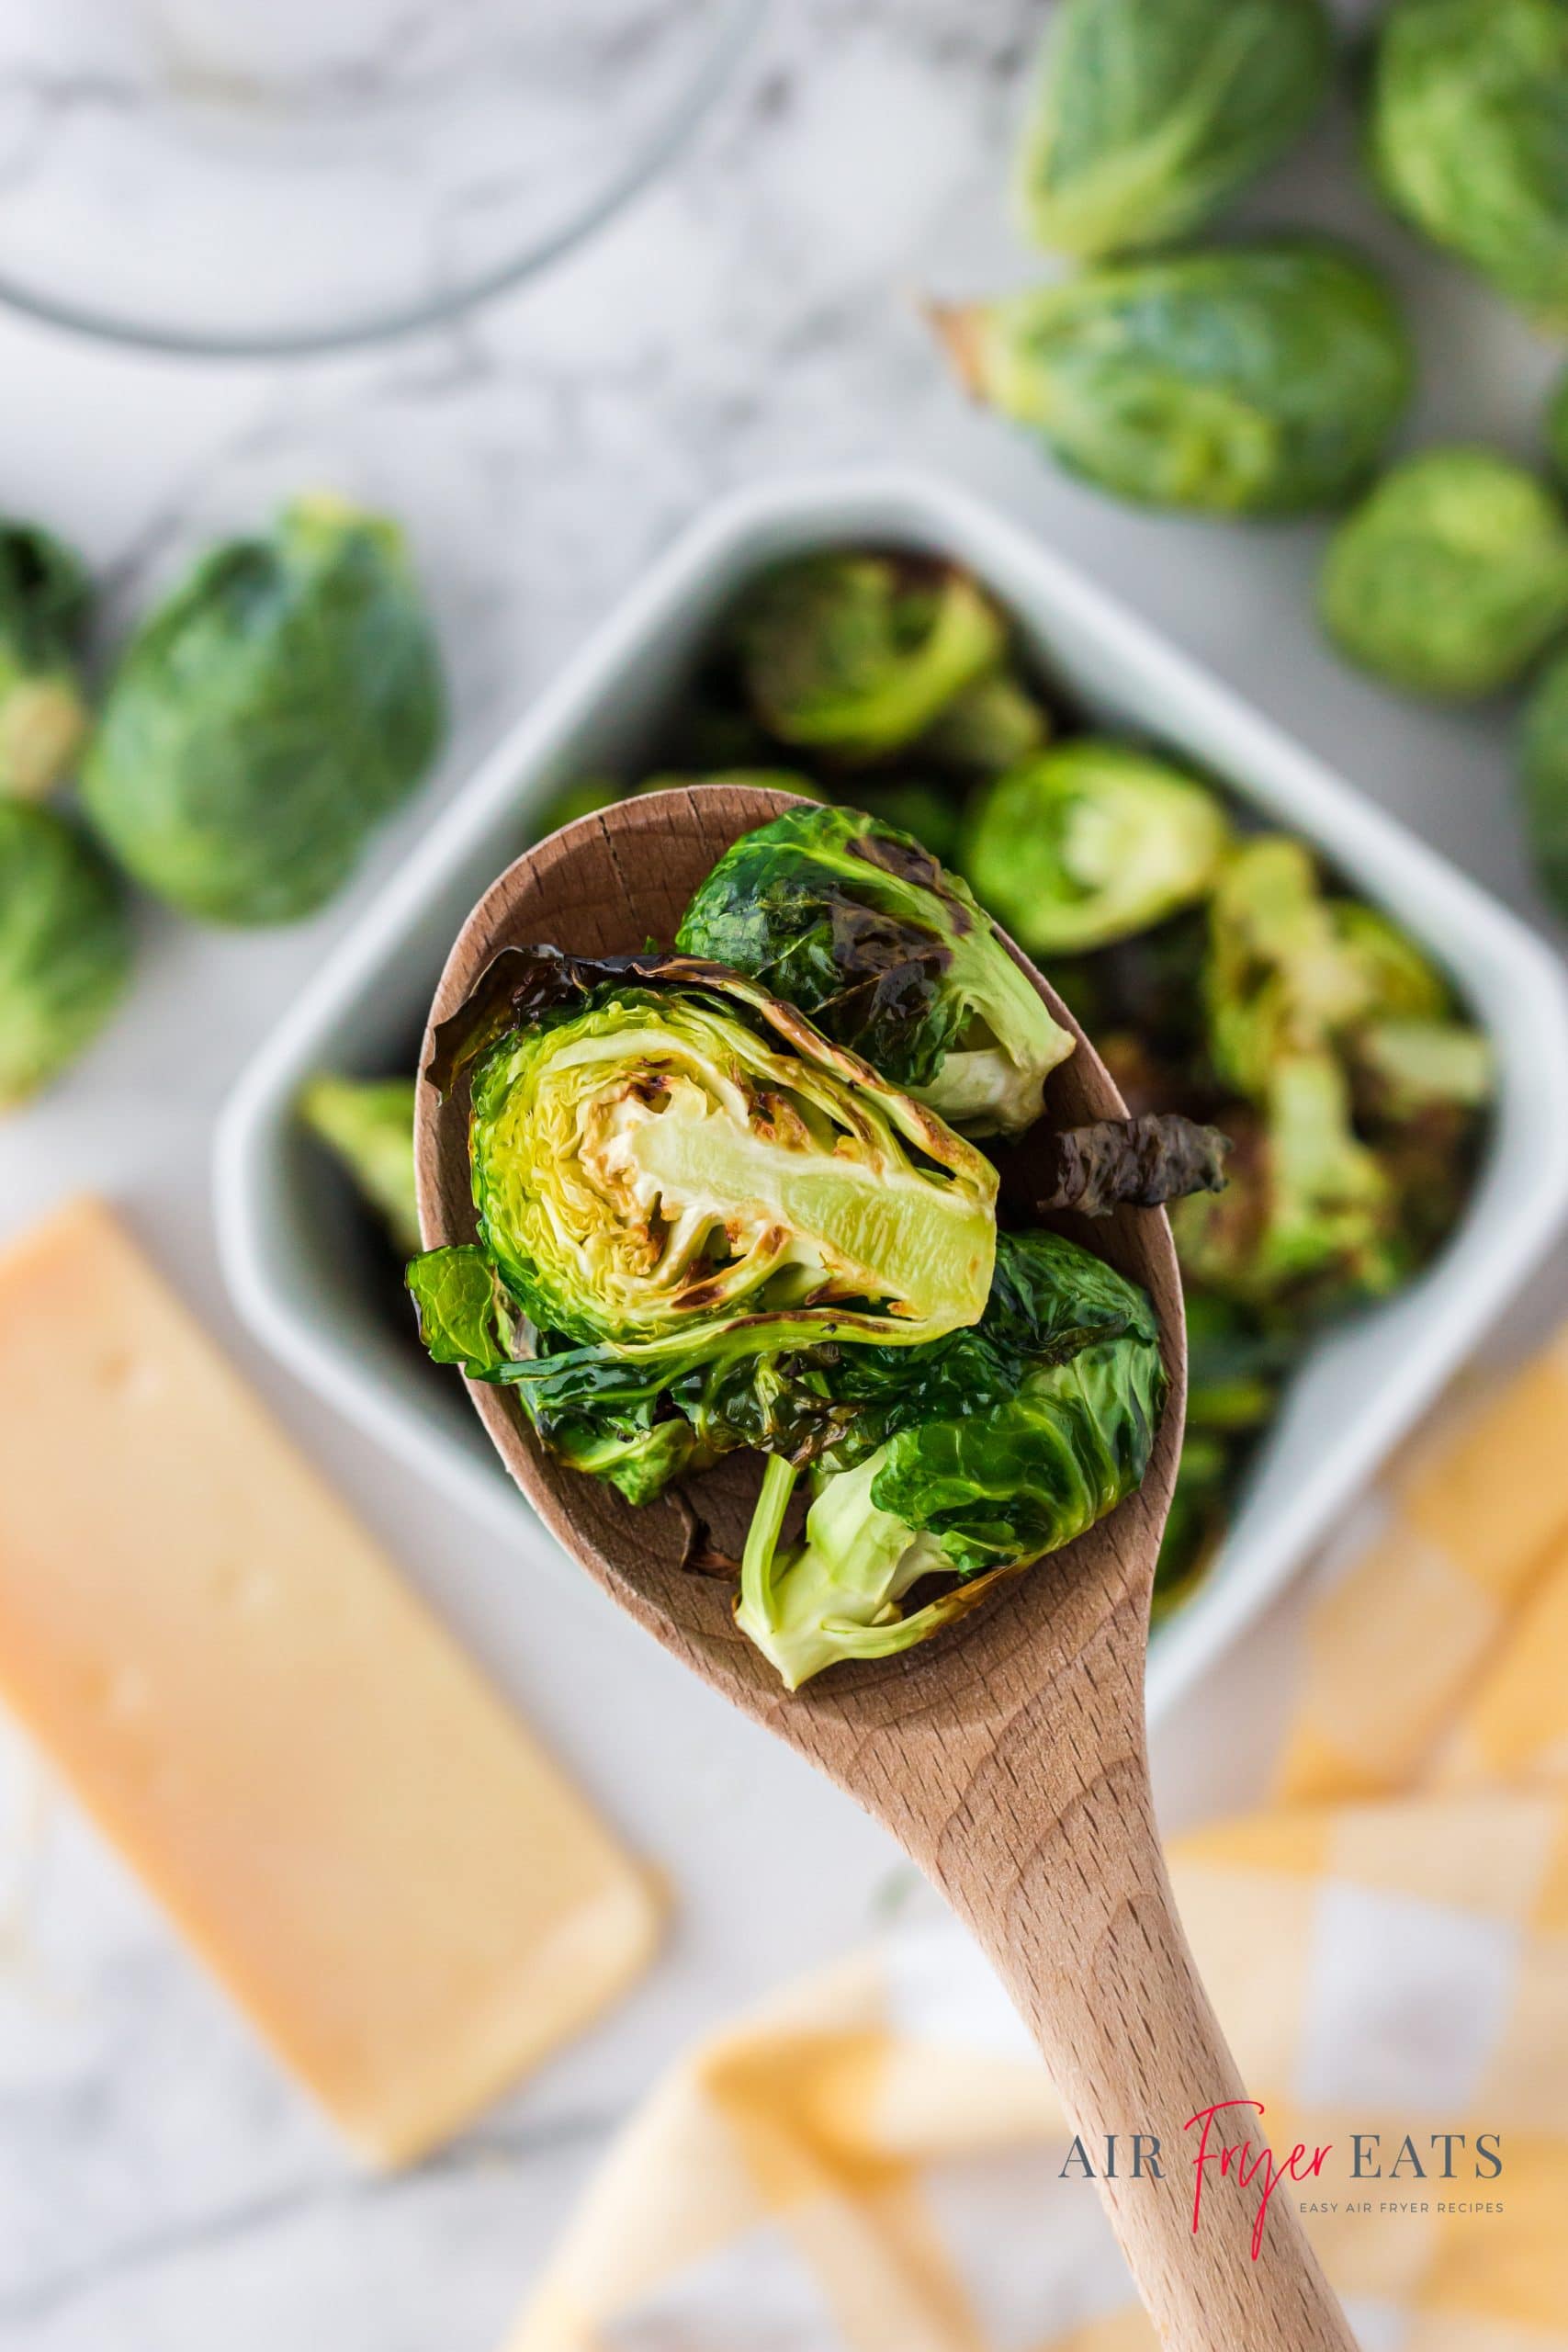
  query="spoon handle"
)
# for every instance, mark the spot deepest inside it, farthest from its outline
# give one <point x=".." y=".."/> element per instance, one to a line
<point x="1077" y="1919"/>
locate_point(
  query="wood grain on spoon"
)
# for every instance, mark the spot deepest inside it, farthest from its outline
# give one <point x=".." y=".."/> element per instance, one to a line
<point x="1006" y="1756"/>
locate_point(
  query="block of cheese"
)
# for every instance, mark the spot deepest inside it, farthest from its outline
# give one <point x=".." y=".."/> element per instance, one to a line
<point x="333" y="1805"/>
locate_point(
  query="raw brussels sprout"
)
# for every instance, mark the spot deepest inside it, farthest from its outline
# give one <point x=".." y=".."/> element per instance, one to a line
<point x="1452" y="576"/>
<point x="859" y="926"/>
<point x="1544" y="764"/>
<point x="44" y="601"/>
<point x="1152" y="114"/>
<point x="969" y="1460"/>
<point x="1263" y="378"/>
<point x="283" y="702"/>
<point x="1469" y="131"/>
<point x="1090" y="842"/>
<point x="368" y="1124"/>
<point x="64" y="947"/>
<point x="857" y="655"/>
<point x="663" y="1155"/>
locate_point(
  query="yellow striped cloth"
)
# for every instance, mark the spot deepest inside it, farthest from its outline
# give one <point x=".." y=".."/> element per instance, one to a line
<point x="874" y="2164"/>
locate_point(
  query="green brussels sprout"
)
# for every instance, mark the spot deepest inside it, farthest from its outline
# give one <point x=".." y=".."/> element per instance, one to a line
<point x="1262" y="379"/>
<point x="663" y="1155"/>
<point x="988" y="728"/>
<point x="1090" y="842"/>
<point x="1150" y="117"/>
<point x="64" y="947"/>
<point x="1450" y="577"/>
<point x="45" y="597"/>
<point x="858" y="925"/>
<point x="857" y="655"/>
<point x="1310" y="1218"/>
<point x="368" y="1124"/>
<point x="1468" y="122"/>
<point x="1544" y="777"/>
<point x="282" y="703"/>
<point x="969" y="1460"/>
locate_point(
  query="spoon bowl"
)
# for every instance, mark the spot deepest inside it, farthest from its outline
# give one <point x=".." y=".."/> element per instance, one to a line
<point x="1007" y="1754"/>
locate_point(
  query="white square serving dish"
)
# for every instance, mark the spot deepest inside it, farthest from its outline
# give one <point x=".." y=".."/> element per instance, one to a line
<point x="289" y="1241"/>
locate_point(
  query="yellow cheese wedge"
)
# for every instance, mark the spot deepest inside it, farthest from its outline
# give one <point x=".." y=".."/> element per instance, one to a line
<point x="338" y="1812"/>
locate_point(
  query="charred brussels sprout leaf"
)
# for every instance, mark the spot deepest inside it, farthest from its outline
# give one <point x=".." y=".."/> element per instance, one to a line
<point x="368" y="1124"/>
<point x="859" y="926"/>
<point x="64" y="947"/>
<point x="990" y="1451"/>
<point x="663" y="1154"/>
<point x="1451" y="577"/>
<point x="1250" y="379"/>
<point x="1149" y="118"/>
<point x="282" y="703"/>
<point x="44" y="601"/>
<point x="856" y="656"/>
<point x="1469" y="132"/>
<point x="1545" y="777"/>
<point x="1129" y="1163"/>
<point x="1091" y="842"/>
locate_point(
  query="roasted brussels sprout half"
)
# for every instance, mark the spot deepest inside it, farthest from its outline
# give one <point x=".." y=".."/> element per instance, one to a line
<point x="1452" y="576"/>
<point x="1090" y="842"/>
<point x="858" y="925"/>
<point x="1263" y="378"/>
<point x="1544" y="777"/>
<point x="1149" y="118"/>
<point x="282" y="703"/>
<point x="967" y="1461"/>
<point x="45" y="596"/>
<point x="856" y="656"/>
<point x="1310" y="1218"/>
<point x="986" y="729"/>
<point x="368" y="1124"/>
<point x="1468" y="125"/>
<point x="663" y="1153"/>
<point x="64" y="947"/>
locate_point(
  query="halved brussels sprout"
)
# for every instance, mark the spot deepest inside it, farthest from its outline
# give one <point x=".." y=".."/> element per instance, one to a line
<point x="1090" y="842"/>
<point x="1281" y="978"/>
<point x="281" y="704"/>
<point x="662" y="1152"/>
<point x="988" y="728"/>
<point x="1251" y="379"/>
<point x="368" y="1124"/>
<point x="1310" y="1218"/>
<point x="1149" y="118"/>
<point x="44" y="601"/>
<point x="860" y="927"/>
<point x="1470" y="104"/>
<point x="64" y="947"/>
<point x="856" y="655"/>
<point x="1451" y="577"/>
<point x="988" y="1451"/>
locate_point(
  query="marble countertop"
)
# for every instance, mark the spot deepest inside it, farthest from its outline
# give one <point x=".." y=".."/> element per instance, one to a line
<point x="756" y="312"/>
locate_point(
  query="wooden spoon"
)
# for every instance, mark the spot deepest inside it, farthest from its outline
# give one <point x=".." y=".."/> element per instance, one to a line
<point x="1006" y="1756"/>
